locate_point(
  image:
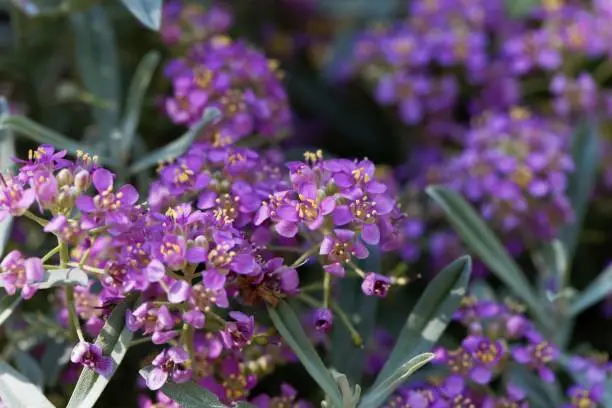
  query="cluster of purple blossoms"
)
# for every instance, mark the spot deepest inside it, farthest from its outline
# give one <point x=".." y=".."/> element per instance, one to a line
<point x="235" y="78"/>
<point x="514" y="168"/>
<point x="187" y="23"/>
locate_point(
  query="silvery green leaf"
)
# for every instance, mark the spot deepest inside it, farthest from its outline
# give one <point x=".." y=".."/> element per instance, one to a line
<point x="114" y="340"/>
<point x="290" y="328"/>
<point x="133" y="105"/>
<point x="57" y="277"/>
<point x="42" y="135"/>
<point x="594" y="293"/>
<point x="482" y="241"/>
<point x="177" y="147"/>
<point x="98" y="65"/>
<point x="430" y="316"/>
<point x="7" y="152"/>
<point x="55" y="358"/>
<point x="586" y="155"/>
<point x="551" y="262"/>
<point x="8" y="303"/>
<point x="17" y="392"/>
<point x="29" y="367"/>
<point x="148" y="12"/>
<point x="379" y="392"/>
<point x="188" y="394"/>
<point x="347" y="357"/>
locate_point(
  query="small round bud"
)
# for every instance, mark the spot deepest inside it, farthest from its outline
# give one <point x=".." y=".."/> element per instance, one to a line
<point x="82" y="181"/>
<point x="64" y="177"/>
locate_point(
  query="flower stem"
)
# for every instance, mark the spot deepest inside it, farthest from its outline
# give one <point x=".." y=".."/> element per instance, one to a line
<point x="40" y="221"/>
<point x="355" y="336"/>
<point x="72" y="313"/>
<point x="49" y="254"/>
<point x="304" y="257"/>
<point x="141" y="340"/>
<point x="357" y="269"/>
<point x="216" y="318"/>
<point x="326" y="289"/>
<point x="87" y="268"/>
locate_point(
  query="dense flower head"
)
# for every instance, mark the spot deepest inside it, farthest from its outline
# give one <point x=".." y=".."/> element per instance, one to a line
<point x="515" y="170"/>
<point x="234" y="78"/>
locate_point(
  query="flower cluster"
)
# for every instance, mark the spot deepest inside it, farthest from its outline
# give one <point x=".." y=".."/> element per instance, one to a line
<point x="215" y="228"/>
<point x="235" y="78"/>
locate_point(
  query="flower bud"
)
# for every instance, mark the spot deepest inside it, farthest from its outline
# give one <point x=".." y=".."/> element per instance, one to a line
<point x="323" y="319"/>
<point x="376" y="284"/>
<point x="82" y="181"/>
<point x="64" y="177"/>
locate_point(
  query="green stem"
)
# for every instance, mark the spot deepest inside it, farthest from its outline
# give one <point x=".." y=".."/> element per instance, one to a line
<point x="40" y="221"/>
<point x="355" y="336"/>
<point x="357" y="269"/>
<point x="300" y="261"/>
<point x="326" y="289"/>
<point x="72" y="313"/>
<point x="49" y="254"/>
<point x="87" y="268"/>
<point x="141" y="340"/>
<point x="216" y="318"/>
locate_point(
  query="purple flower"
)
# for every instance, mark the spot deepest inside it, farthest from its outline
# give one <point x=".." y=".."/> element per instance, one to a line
<point x="288" y="397"/>
<point x="322" y="319"/>
<point x="375" y="284"/>
<point x="15" y="198"/>
<point x="169" y="364"/>
<point x="19" y="273"/>
<point x="486" y="356"/>
<point x="107" y="206"/>
<point x="91" y="356"/>
<point x="585" y="397"/>
<point x="339" y="248"/>
<point x="238" y="333"/>
<point x="152" y="320"/>
<point x="536" y="355"/>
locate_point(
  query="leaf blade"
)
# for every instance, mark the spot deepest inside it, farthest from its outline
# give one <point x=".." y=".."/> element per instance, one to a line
<point x="378" y="394"/>
<point x="133" y="104"/>
<point x="289" y="327"/>
<point x="177" y="147"/>
<point x="114" y="340"/>
<point x="17" y="392"/>
<point x="8" y="305"/>
<point x="431" y="315"/>
<point x="148" y="12"/>
<point x="481" y="240"/>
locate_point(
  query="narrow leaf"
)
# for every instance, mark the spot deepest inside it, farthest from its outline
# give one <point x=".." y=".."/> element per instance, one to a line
<point x="133" y="105"/>
<point x="550" y="260"/>
<point x="148" y="12"/>
<point x="346" y="357"/>
<point x="29" y="367"/>
<point x="430" y="316"/>
<point x="7" y="152"/>
<point x="17" y="392"/>
<point x="41" y="134"/>
<point x="55" y="358"/>
<point x="96" y="58"/>
<point x="114" y="340"/>
<point x="289" y="327"/>
<point x="188" y="394"/>
<point x="600" y="288"/>
<point x="378" y="394"/>
<point x="483" y="242"/>
<point x="586" y="155"/>
<point x="57" y="277"/>
<point x="177" y="147"/>
<point x="8" y="305"/>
